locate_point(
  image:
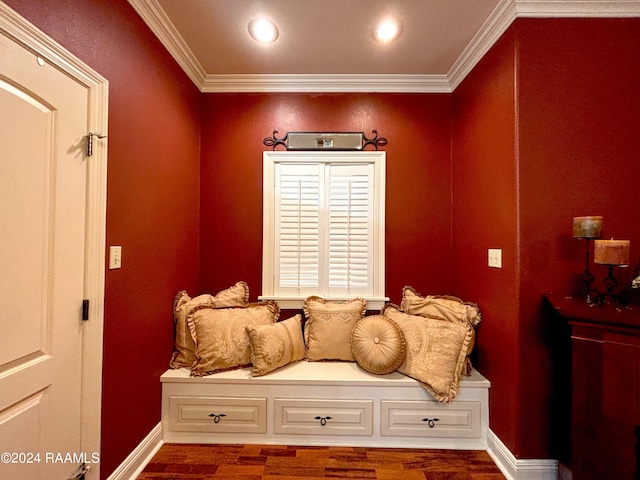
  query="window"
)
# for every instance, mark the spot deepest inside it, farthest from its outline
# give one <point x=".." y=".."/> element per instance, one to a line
<point x="323" y="226"/>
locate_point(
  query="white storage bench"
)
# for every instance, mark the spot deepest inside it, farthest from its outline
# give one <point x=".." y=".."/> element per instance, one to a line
<point x="322" y="403"/>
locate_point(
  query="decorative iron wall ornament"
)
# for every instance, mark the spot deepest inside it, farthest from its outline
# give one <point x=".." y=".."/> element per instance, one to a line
<point x="325" y="141"/>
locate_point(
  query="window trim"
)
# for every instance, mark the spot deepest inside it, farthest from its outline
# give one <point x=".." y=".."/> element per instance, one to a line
<point x="270" y="159"/>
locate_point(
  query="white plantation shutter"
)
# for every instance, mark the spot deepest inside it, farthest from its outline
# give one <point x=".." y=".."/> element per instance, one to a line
<point x="323" y="230"/>
<point x="350" y="222"/>
<point x="297" y="228"/>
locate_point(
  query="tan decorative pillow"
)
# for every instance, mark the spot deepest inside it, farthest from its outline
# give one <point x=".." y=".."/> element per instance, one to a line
<point x="274" y="346"/>
<point x="183" y="307"/>
<point x="377" y="344"/>
<point x="221" y="341"/>
<point x="328" y="327"/>
<point x="436" y="350"/>
<point x="441" y="306"/>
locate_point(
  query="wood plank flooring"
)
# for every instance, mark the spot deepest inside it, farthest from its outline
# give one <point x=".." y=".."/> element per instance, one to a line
<point x="269" y="462"/>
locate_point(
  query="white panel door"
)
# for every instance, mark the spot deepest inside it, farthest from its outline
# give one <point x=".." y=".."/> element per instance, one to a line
<point x="43" y="122"/>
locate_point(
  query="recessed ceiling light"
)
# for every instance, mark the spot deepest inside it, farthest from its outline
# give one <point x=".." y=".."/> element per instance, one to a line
<point x="263" y="30"/>
<point x="387" y="31"/>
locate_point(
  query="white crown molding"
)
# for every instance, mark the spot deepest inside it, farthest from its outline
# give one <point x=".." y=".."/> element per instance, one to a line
<point x="577" y="8"/>
<point x="508" y="10"/>
<point x="327" y="83"/>
<point x="160" y="24"/>
<point x="498" y="22"/>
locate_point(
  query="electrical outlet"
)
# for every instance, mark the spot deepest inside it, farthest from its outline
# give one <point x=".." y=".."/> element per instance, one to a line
<point x="495" y="257"/>
<point x="115" y="257"/>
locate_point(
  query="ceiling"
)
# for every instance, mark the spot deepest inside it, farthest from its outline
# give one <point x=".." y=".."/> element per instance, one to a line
<point x="328" y="45"/>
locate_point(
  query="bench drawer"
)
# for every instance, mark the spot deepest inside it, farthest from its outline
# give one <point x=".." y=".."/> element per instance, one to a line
<point x="323" y="417"/>
<point x="217" y="414"/>
<point x="457" y="419"/>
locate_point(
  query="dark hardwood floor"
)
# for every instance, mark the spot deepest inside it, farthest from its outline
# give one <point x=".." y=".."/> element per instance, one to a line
<point x="269" y="462"/>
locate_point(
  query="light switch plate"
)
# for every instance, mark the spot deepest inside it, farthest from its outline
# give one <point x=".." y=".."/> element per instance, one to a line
<point x="495" y="257"/>
<point x="115" y="257"/>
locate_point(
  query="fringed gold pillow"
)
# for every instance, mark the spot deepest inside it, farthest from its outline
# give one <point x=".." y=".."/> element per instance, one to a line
<point x="220" y="338"/>
<point x="436" y="350"/>
<point x="377" y="344"/>
<point x="276" y="345"/>
<point x="328" y="327"/>
<point x="183" y="307"/>
<point x="443" y="306"/>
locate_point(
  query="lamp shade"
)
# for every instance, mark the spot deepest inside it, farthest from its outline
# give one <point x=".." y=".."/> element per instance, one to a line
<point x="587" y="227"/>
<point x="611" y="252"/>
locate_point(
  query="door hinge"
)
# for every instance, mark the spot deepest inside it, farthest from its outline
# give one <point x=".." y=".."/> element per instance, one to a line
<point x="79" y="473"/>
<point x="85" y="309"/>
<point x="90" y="142"/>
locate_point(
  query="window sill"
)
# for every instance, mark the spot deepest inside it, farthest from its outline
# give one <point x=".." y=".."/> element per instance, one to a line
<point x="297" y="303"/>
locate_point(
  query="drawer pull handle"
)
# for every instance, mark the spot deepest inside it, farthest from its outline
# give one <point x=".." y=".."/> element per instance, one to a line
<point x="217" y="417"/>
<point x="323" y="420"/>
<point x="431" y="421"/>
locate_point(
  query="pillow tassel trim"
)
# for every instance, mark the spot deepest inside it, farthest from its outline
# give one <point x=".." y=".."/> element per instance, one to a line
<point x="176" y="300"/>
<point x="197" y="373"/>
<point x="246" y="290"/>
<point x="181" y="297"/>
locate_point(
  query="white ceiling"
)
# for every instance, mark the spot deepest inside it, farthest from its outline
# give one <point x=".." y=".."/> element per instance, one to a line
<point x="328" y="45"/>
<point x="327" y="36"/>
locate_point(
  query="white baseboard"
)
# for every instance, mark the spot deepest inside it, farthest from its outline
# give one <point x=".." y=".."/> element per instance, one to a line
<point x="141" y="455"/>
<point x="515" y="469"/>
<point x="509" y="465"/>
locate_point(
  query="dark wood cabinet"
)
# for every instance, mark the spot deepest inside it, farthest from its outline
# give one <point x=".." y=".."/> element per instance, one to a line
<point x="605" y="345"/>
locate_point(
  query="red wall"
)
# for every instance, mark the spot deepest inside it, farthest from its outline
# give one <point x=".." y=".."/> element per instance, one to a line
<point x="579" y="138"/>
<point x="485" y="216"/>
<point x="152" y="202"/>
<point x="545" y="128"/>
<point x="418" y="210"/>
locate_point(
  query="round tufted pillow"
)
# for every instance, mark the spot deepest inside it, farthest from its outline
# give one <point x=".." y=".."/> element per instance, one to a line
<point x="377" y="344"/>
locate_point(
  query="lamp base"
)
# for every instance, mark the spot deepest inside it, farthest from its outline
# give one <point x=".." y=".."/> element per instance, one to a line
<point x="617" y="301"/>
<point x="587" y="278"/>
<point x="590" y="295"/>
<point x="611" y="283"/>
